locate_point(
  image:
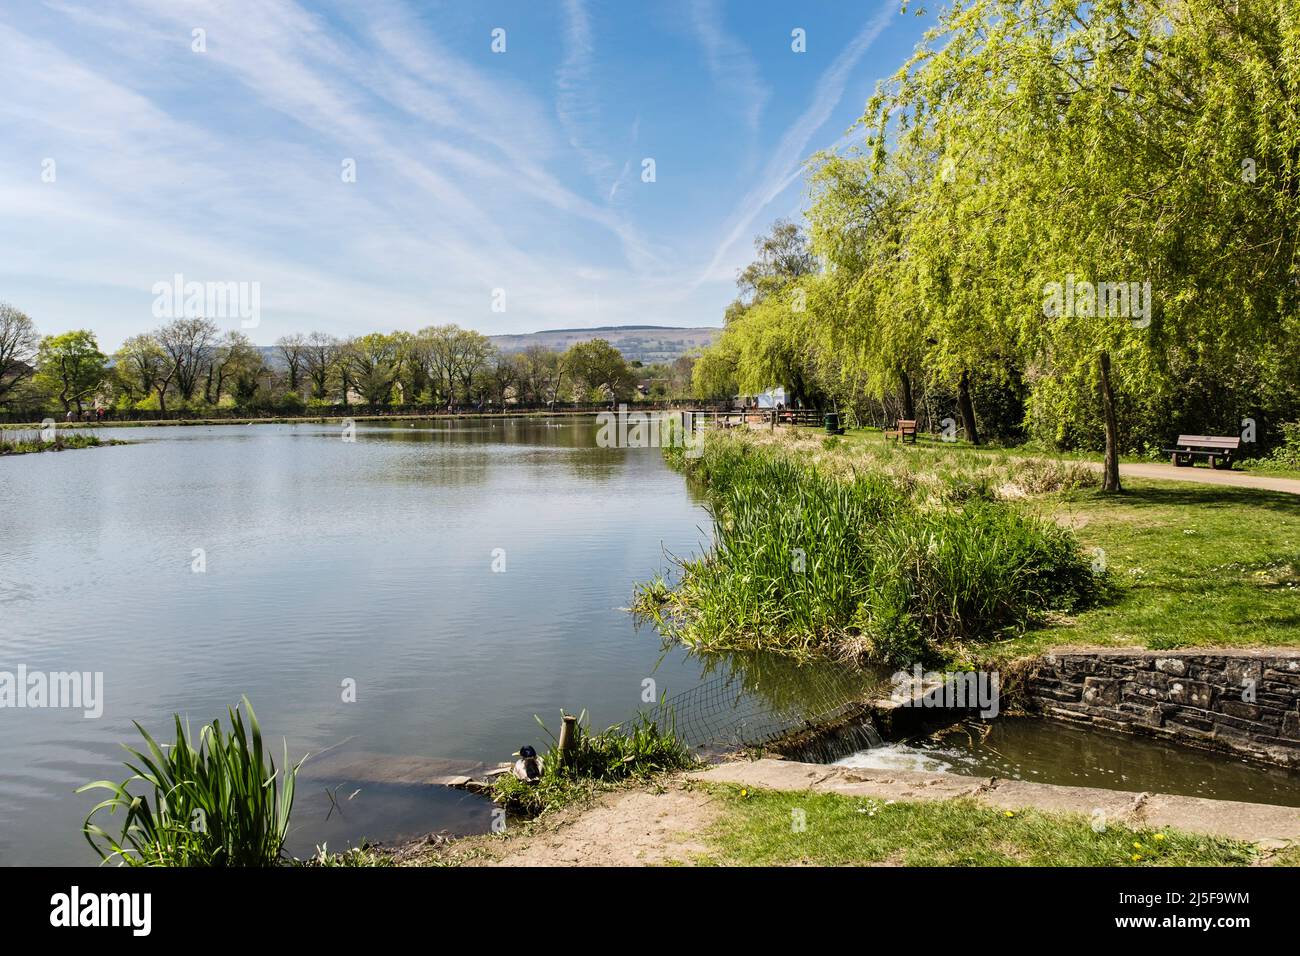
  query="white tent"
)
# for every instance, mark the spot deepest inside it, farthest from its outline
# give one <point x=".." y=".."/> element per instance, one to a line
<point x="769" y="399"/>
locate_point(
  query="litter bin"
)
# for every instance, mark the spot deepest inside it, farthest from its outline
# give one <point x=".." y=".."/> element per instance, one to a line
<point x="832" y="421"/>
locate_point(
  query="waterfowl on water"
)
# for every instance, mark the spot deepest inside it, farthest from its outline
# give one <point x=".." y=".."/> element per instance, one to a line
<point x="528" y="767"/>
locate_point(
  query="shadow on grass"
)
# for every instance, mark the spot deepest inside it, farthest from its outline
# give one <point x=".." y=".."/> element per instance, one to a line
<point x="1138" y="494"/>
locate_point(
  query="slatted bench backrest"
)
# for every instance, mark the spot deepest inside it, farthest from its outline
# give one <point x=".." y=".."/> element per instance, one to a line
<point x="1209" y="441"/>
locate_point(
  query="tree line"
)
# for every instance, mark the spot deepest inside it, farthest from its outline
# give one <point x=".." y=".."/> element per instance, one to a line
<point x="1074" y="223"/>
<point x="190" y="365"/>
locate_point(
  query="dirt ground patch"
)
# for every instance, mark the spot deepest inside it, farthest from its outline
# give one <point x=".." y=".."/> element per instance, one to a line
<point x="671" y="823"/>
<point x="642" y="827"/>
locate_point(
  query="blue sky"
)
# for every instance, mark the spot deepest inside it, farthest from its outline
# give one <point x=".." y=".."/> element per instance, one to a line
<point x="475" y="171"/>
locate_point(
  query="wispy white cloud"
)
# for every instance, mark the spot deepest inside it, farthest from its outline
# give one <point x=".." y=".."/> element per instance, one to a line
<point x="226" y="165"/>
<point x="730" y="62"/>
<point x="785" y="166"/>
<point x="576" y="102"/>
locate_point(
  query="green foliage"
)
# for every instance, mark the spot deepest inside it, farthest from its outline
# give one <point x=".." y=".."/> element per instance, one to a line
<point x="616" y="755"/>
<point x="1287" y="454"/>
<point x="71" y="367"/>
<point x="357" y="856"/>
<point x="1026" y="144"/>
<point x="220" y="803"/>
<point x="600" y="369"/>
<point x="805" y="562"/>
<point x="20" y="443"/>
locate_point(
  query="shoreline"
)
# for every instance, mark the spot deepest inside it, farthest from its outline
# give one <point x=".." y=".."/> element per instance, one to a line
<point x="293" y="420"/>
<point x="370" y="417"/>
<point x="674" y="820"/>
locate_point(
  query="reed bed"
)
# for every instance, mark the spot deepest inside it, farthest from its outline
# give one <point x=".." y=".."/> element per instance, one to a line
<point x="29" y="442"/>
<point x="818" y="555"/>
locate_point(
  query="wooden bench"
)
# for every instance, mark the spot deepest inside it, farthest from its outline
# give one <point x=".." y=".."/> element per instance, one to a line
<point x="1219" y="449"/>
<point x="906" y="431"/>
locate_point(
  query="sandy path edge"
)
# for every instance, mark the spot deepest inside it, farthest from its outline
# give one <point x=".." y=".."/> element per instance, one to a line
<point x="667" y="823"/>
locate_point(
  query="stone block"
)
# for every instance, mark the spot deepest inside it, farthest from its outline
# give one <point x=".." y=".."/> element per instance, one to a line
<point x="1172" y="665"/>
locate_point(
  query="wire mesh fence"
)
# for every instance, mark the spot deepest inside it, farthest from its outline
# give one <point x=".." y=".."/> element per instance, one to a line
<point x="726" y="713"/>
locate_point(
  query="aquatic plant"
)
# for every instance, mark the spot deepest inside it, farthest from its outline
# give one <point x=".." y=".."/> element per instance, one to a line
<point x="220" y="803"/>
<point x="22" y="443"/>
<point x="638" y="749"/>
<point x="809" y="562"/>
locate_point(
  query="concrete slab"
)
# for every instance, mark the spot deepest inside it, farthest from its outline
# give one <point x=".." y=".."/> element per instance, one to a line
<point x="366" y="767"/>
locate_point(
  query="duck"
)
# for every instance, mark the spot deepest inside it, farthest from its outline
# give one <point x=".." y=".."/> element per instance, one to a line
<point x="528" y="767"/>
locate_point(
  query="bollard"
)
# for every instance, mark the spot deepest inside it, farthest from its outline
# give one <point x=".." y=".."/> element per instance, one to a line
<point x="568" y="737"/>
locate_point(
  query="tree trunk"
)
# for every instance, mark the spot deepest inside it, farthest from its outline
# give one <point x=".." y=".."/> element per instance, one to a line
<point x="1110" y="470"/>
<point x="967" y="409"/>
<point x="909" y="404"/>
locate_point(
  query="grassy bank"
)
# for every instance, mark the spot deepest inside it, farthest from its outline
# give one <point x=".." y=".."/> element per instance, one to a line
<point x="594" y="763"/>
<point x="786" y="828"/>
<point x="815" y="555"/>
<point x="671" y="822"/>
<point x="870" y="444"/>
<point x="1187" y="565"/>
<point x="971" y="532"/>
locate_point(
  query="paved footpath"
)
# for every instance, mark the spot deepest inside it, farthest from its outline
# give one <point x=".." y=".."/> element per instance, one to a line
<point x="1207" y="476"/>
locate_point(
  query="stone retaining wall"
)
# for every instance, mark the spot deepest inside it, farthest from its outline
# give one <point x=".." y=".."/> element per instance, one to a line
<point x="1244" y="702"/>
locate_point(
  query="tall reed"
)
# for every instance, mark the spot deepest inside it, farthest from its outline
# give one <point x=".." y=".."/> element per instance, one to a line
<point x="220" y="803"/>
<point x="806" y="562"/>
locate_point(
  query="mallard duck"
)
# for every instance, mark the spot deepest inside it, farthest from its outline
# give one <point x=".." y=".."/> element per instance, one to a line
<point x="528" y="767"/>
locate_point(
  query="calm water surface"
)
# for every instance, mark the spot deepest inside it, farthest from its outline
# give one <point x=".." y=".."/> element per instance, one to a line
<point x="372" y="561"/>
<point x="325" y="561"/>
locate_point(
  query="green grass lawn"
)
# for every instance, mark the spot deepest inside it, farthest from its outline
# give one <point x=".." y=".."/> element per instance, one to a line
<point x="762" y="828"/>
<point x="1191" y="565"/>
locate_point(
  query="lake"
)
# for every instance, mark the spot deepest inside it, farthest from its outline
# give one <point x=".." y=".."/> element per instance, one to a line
<point x="198" y="564"/>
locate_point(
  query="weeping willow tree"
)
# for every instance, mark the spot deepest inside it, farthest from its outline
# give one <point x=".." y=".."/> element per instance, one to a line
<point x="766" y="337"/>
<point x="1082" y="190"/>
<point x="765" y="345"/>
<point x="869" y="314"/>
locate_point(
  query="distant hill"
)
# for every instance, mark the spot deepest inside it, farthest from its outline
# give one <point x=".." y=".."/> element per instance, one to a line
<point x="644" y="343"/>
